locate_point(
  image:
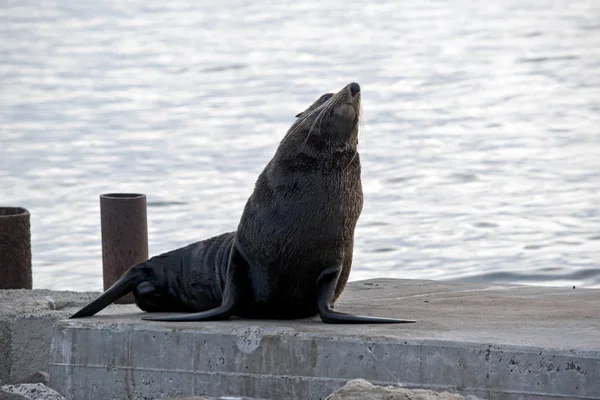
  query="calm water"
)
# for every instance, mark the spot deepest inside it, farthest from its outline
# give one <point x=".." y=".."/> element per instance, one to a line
<point x="480" y="146"/>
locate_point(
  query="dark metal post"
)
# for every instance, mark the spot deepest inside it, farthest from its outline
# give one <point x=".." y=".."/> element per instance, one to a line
<point x="15" y="248"/>
<point x="124" y="235"/>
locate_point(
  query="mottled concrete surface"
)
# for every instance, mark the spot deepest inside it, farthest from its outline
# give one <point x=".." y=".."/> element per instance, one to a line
<point x="493" y="341"/>
<point x="26" y="320"/>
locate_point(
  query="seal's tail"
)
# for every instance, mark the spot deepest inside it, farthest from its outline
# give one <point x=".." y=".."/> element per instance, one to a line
<point x="119" y="289"/>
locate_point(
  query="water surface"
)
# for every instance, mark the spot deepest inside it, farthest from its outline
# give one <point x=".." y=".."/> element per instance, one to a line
<point x="480" y="143"/>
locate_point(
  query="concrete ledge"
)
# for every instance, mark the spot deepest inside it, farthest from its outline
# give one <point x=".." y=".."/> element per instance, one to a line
<point x="26" y="320"/>
<point x="496" y="342"/>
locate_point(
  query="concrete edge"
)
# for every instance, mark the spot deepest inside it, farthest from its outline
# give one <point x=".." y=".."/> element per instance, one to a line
<point x="249" y="357"/>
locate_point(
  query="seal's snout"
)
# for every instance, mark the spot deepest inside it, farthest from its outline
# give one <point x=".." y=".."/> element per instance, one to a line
<point x="354" y="88"/>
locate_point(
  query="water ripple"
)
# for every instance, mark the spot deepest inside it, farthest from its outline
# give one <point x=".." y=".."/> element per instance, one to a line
<point x="479" y="145"/>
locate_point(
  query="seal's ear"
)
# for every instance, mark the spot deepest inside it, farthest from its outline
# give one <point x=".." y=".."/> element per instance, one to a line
<point x="300" y="114"/>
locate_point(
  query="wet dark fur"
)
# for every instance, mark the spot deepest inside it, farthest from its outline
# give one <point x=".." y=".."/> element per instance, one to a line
<point x="298" y="222"/>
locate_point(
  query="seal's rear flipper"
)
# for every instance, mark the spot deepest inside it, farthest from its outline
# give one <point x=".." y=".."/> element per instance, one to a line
<point x="119" y="289"/>
<point x="326" y="288"/>
<point x="237" y="275"/>
<point x="216" y="314"/>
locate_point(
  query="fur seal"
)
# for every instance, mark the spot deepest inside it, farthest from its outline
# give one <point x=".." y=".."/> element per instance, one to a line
<point x="291" y="254"/>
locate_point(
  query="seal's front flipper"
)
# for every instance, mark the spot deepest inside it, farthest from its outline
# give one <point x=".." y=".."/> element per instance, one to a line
<point x="326" y="288"/>
<point x="119" y="289"/>
<point x="237" y="274"/>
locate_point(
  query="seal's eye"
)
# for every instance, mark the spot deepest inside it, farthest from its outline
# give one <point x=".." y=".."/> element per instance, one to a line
<point x="325" y="97"/>
<point x="318" y="103"/>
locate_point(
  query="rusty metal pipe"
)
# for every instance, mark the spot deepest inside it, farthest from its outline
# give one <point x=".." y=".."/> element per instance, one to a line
<point x="124" y="235"/>
<point x="15" y="248"/>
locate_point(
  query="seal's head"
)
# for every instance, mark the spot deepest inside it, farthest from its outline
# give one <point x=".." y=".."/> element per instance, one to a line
<point x="329" y="124"/>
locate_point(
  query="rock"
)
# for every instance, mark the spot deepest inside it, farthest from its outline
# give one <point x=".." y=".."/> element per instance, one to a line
<point x="211" y="398"/>
<point x="11" y="396"/>
<point x="29" y="391"/>
<point x="359" y="389"/>
<point x="37" y="377"/>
